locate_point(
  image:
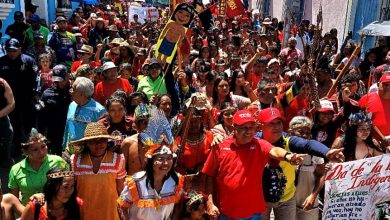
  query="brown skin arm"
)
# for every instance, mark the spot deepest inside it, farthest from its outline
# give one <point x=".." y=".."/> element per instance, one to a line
<point x="8" y="95"/>
<point x="10" y="205"/>
<point x="119" y="185"/>
<point x="27" y="213"/>
<point x="134" y="164"/>
<point x="130" y="151"/>
<point x="177" y="211"/>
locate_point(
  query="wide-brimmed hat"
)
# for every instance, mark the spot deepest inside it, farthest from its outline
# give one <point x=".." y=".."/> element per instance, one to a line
<point x="202" y="102"/>
<point x="117" y="40"/>
<point x="113" y="27"/>
<point x="267" y="21"/>
<point x="95" y="130"/>
<point x="86" y="49"/>
<point x="108" y="65"/>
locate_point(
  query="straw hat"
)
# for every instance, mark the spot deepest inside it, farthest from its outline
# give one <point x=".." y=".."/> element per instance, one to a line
<point x="95" y="130"/>
<point x="202" y="102"/>
<point x="86" y="49"/>
<point x="267" y="21"/>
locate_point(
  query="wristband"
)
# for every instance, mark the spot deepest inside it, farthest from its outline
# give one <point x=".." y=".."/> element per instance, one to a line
<point x="285" y="156"/>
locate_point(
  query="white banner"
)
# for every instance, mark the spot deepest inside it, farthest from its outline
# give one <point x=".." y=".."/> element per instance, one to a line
<point x="358" y="190"/>
<point x="144" y="13"/>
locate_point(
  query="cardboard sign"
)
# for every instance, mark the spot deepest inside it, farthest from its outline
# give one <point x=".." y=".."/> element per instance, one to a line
<point x="358" y="190"/>
<point x="174" y="33"/>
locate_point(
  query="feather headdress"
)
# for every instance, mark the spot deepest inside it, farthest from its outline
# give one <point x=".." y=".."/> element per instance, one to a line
<point x="158" y="130"/>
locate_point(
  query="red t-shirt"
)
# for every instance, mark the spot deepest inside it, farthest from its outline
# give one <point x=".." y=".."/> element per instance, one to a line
<point x="104" y="90"/>
<point x="77" y="64"/>
<point x="195" y="155"/>
<point x="254" y="79"/>
<point x="238" y="170"/>
<point x="298" y="107"/>
<point x="380" y="109"/>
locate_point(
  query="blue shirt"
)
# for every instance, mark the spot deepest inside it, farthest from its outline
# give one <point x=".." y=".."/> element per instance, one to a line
<point x="77" y="119"/>
<point x="300" y="145"/>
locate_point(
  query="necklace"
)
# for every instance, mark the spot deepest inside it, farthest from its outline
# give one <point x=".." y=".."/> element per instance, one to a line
<point x="196" y="141"/>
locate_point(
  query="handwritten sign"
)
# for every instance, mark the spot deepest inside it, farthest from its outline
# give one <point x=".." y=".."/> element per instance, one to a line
<point x="358" y="190"/>
<point x="144" y="13"/>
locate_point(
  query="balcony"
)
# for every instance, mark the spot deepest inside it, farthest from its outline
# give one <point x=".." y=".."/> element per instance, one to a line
<point x="6" y="7"/>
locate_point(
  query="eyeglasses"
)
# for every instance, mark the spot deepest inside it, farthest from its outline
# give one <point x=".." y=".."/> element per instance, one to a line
<point x="270" y="90"/>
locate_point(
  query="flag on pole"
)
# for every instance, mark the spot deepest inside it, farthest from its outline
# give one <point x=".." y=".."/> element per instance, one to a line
<point x="206" y="17"/>
<point x="234" y="8"/>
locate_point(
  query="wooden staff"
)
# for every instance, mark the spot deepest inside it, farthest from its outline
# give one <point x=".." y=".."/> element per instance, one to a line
<point x="343" y="71"/>
<point x="183" y="130"/>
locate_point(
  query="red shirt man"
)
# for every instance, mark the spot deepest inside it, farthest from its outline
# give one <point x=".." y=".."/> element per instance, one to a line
<point x="379" y="105"/>
<point x="237" y="168"/>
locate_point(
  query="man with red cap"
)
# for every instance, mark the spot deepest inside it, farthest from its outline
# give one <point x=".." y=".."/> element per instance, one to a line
<point x="378" y="103"/>
<point x="280" y="193"/>
<point x="235" y="169"/>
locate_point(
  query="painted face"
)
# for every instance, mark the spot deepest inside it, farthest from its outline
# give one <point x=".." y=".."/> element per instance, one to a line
<point x="363" y="131"/>
<point x="97" y="147"/>
<point x="223" y="88"/>
<point x="116" y="111"/>
<point x="166" y="105"/>
<point x="162" y="164"/>
<point x="325" y="117"/>
<point x="273" y="129"/>
<point x="66" y="189"/>
<point x="37" y="152"/>
<point x="245" y="132"/>
<point x="182" y="17"/>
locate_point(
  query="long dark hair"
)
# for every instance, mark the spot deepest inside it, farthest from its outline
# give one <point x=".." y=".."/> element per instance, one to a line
<point x="51" y="188"/>
<point x="233" y="82"/>
<point x="349" y="142"/>
<point x="215" y="89"/>
<point x="150" y="176"/>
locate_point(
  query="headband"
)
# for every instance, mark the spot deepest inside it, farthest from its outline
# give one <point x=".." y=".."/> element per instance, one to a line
<point x="60" y="174"/>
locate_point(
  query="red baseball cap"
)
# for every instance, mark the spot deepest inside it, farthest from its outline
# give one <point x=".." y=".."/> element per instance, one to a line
<point x="269" y="114"/>
<point x="385" y="78"/>
<point x="242" y="117"/>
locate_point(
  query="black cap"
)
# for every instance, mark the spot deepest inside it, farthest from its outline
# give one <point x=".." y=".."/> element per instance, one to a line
<point x="18" y="15"/>
<point x="59" y="73"/>
<point x="154" y="61"/>
<point x="34" y="5"/>
<point x="12" y="44"/>
<point x="59" y="19"/>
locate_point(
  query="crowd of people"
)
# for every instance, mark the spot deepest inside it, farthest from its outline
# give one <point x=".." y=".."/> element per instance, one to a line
<point x="94" y="125"/>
